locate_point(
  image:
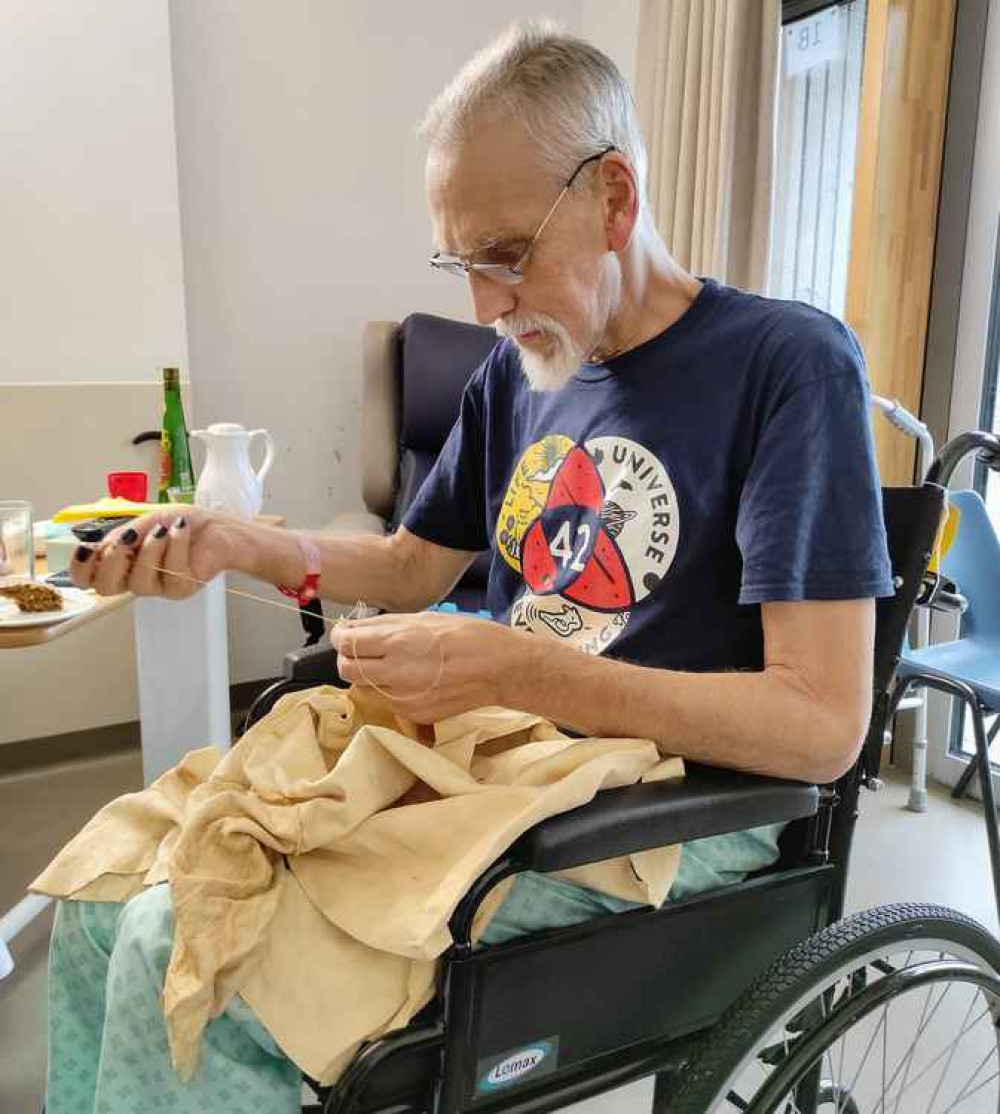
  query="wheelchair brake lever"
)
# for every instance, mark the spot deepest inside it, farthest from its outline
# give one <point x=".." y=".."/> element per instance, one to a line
<point x="941" y="594"/>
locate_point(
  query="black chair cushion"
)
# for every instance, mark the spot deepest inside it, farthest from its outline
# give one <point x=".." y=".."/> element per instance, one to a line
<point x="437" y="358"/>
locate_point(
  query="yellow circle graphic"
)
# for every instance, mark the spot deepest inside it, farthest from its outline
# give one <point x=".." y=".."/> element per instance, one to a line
<point x="526" y="493"/>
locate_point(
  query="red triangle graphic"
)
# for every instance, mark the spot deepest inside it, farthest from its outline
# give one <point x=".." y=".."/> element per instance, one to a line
<point x="577" y="483"/>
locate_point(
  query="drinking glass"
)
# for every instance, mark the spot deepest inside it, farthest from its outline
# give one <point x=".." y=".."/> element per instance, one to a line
<point x="17" y="546"/>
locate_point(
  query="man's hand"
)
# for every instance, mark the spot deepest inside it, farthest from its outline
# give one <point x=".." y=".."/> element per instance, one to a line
<point x="168" y="554"/>
<point x="432" y="666"/>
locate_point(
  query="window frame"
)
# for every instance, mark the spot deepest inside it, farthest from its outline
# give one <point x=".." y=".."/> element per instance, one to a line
<point x="988" y="415"/>
<point x="793" y="10"/>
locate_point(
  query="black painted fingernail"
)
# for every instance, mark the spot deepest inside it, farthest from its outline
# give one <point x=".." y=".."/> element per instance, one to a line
<point x="130" y="537"/>
<point x="82" y="553"/>
<point x="180" y="523"/>
<point x="160" y="532"/>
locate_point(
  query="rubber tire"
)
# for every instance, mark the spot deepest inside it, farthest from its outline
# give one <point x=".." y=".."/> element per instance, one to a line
<point x="716" y="1058"/>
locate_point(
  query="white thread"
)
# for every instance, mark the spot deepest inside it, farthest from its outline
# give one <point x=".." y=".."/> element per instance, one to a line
<point x="355" y="613"/>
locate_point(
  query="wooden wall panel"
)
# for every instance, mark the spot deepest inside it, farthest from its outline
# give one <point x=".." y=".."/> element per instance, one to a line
<point x="901" y="137"/>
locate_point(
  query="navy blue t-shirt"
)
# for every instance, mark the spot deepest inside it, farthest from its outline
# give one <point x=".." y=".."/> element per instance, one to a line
<point x="650" y="506"/>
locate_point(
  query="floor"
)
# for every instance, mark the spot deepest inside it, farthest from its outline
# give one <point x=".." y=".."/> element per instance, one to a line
<point x="898" y="856"/>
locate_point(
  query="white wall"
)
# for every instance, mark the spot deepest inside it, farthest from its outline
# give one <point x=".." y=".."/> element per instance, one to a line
<point x="614" y="28"/>
<point x="91" y="300"/>
<point x="287" y="132"/>
<point x="91" y="284"/>
<point x="303" y="215"/>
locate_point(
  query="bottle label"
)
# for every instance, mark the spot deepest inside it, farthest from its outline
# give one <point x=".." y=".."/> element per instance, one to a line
<point x="166" y="460"/>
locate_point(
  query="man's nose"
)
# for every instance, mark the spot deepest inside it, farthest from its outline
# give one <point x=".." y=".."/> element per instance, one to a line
<point x="492" y="300"/>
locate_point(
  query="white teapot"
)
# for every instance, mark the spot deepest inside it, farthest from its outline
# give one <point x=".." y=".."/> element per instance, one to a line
<point x="228" y="481"/>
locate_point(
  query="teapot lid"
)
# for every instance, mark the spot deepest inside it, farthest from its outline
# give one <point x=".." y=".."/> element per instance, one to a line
<point x="226" y="429"/>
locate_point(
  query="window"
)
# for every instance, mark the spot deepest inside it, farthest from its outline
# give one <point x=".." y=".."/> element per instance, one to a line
<point x="822" y="47"/>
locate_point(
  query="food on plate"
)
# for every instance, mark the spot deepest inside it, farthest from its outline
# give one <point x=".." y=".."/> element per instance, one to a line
<point x="33" y="597"/>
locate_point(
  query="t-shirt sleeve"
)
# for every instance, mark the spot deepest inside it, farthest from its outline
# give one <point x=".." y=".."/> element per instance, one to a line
<point x="450" y="507"/>
<point x="809" y="524"/>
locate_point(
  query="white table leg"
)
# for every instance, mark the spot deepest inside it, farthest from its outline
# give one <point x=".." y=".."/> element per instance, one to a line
<point x="182" y="652"/>
<point x="11" y="923"/>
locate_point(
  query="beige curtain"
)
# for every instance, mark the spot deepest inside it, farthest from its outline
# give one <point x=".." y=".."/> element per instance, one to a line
<point x="707" y="96"/>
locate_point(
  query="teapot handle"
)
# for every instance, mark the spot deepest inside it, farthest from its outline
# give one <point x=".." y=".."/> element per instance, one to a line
<point x="269" y="453"/>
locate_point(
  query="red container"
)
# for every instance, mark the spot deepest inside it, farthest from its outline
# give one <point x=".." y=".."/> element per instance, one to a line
<point x="128" y="485"/>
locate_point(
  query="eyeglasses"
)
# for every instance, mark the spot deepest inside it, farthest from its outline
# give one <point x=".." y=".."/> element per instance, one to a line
<point x="509" y="272"/>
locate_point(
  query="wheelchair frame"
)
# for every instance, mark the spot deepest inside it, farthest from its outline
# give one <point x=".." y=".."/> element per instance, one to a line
<point x="559" y="1016"/>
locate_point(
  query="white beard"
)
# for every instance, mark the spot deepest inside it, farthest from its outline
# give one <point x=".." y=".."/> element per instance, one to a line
<point x="550" y="372"/>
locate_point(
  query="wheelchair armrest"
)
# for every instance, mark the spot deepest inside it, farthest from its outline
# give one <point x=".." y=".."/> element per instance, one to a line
<point x="312" y="663"/>
<point x="706" y="801"/>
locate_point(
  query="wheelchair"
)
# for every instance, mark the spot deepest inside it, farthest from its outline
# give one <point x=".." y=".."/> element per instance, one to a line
<point x="755" y="997"/>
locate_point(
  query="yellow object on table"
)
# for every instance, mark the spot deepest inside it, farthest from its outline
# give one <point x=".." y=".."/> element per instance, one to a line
<point x="109" y="507"/>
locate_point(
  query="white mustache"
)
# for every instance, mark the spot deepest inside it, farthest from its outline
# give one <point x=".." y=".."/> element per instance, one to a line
<point x="513" y="326"/>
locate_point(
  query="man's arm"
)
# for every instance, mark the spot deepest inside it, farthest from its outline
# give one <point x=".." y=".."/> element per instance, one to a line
<point x="803" y="716"/>
<point x="399" y="572"/>
<point x="162" y="554"/>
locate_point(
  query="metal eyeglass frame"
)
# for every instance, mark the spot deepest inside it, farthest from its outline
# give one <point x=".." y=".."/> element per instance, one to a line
<point x="513" y="273"/>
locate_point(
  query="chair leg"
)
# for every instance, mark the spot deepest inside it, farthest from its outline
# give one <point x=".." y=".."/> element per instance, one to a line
<point x="989" y="801"/>
<point x="972" y="768"/>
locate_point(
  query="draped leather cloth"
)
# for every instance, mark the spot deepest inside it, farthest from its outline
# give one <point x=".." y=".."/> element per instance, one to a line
<point x="314" y="867"/>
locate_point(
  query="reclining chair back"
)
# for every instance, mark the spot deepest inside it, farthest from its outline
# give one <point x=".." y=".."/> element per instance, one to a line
<point x="415" y="374"/>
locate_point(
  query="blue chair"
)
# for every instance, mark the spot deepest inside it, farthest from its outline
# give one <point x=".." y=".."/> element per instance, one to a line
<point x="969" y="667"/>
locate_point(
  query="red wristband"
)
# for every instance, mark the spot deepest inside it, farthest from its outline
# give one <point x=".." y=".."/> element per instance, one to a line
<point x="308" y="590"/>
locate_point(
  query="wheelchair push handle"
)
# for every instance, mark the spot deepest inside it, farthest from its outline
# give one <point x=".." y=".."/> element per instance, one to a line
<point x="897" y="414"/>
<point x="985" y="445"/>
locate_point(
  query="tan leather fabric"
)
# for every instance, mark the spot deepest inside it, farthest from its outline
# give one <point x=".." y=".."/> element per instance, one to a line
<point x="314" y="867"/>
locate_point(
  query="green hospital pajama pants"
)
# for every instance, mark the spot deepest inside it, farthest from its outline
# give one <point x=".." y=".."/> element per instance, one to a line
<point x="108" y="1051"/>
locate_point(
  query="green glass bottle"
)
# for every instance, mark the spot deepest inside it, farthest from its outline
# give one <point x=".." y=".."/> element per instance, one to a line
<point x="175" y="454"/>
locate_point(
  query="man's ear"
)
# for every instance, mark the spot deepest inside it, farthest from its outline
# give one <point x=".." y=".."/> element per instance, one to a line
<point x="621" y="200"/>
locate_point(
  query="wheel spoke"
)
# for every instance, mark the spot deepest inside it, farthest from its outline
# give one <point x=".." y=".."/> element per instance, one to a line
<point x="951" y="1054"/>
<point x="940" y="1056"/>
<point x="826" y="1055"/>
<point x="925" y="1020"/>
<point x="885" y="1051"/>
<point x="838" y="1082"/>
<point x="965" y="1093"/>
<point x="864" y="1059"/>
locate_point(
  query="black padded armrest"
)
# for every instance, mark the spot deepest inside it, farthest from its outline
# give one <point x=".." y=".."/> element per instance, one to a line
<point x="312" y="663"/>
<point x="707" y="801"/>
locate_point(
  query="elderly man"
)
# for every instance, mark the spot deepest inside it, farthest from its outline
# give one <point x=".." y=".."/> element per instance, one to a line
<point x="677" y="483"/>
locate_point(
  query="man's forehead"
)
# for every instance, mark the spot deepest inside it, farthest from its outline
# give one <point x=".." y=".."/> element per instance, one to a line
<point x="481" y="192"/>
<point x="466" y="221"/>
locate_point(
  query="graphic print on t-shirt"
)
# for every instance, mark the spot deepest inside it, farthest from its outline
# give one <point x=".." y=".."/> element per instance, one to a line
<point x="592" y="529"/>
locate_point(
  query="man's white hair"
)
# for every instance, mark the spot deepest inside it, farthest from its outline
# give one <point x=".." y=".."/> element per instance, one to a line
<point x="568" y="95"/>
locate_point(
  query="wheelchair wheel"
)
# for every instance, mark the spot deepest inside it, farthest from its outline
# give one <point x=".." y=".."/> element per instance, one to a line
<point x="891" y="1011"/>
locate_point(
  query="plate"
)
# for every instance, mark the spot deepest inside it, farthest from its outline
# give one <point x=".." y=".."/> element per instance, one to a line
<point x="75" y="602"/>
